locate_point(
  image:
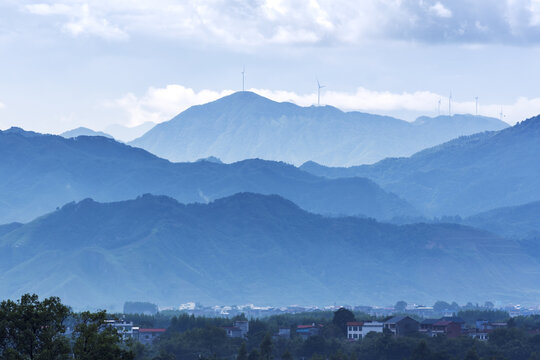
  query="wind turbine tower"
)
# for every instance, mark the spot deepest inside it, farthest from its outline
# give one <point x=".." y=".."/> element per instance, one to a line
<point x="243" y="78"/>
<point x="439" y="107"/>
<point x="319" y="87"/>
<point x="501" y="114"/>
<point x="450" y="104"/>
<point x="476" y="98"/>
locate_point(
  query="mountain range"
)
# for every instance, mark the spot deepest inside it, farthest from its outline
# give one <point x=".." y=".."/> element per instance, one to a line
<point x="517" y="222"/>
<point x="82" y="131"/>
<point x="245" y="125"/>
<point x="43" y="172"/>
<point x="464" y="176"/>
<point x="253" y="248"/>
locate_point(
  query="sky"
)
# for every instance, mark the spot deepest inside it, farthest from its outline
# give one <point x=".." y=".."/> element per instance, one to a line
<point x="70" y="63"/>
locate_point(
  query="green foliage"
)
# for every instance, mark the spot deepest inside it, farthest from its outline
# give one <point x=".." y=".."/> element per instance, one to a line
<point x="400" y="306"/>
<point x="266" y="348"/>
<point x="93" y="339"/>
<point x="135" y="307"/>
<point x="341" y="317"/>
<point x="242" y="353"/>
<point x="32" y="329"/>
<point x="470" y="316"/>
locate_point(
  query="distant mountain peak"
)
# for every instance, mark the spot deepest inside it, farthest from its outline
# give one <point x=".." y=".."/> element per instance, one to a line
<point x="533" y="122"/>
<point x="21" y="131"/>
<point x="83" y="131"/>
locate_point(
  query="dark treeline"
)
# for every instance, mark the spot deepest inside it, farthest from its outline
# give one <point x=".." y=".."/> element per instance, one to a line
<point x="190" y="337"/>
<point x="33" y="329"/>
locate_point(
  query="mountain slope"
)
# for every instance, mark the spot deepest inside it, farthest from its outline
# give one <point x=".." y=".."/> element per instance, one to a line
<point x="515" y="222"/>
<point x="464" y="176"/>
<point x="253" y="248"/>
<point x="46" y="171"/>
<point x="125" y="133"/>
<point x="82" y="131"/>
<point x="245" y="125"/>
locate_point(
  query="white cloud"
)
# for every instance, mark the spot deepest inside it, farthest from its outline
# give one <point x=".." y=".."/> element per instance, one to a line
<point x="440" y="10"/>
<point x="2" y="105"/>
<point x="299" y="21"/>
<point x="81" y="21"/>
<point x="161" y="104"/>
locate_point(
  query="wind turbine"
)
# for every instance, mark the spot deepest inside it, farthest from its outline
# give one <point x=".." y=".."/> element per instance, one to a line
<point x="450" y="104"/>
<point x="502" y="114"/>
<point x="476" y="98"/>
<point x="243" y="77"/>
<point x="319" y="87"/>
<point x="439" y="107"/>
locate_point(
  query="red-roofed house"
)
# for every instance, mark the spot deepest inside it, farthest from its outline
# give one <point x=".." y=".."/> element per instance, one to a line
<point x="147" y="336"/>
<point x="449" y="328"/>
<point x="305" y="331"/>
<point x="354" y="330"/>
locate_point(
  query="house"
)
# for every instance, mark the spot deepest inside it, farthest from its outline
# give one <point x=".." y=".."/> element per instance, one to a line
<point x="124" y="328"/>
<point x="401" y="325"/>
<point x="283" y="333"/>
<point x="243" y="326"/>
<point x="239" y="330"/>
<point x="426" y="326"/>
<point x="354" y="330"/>
<point x="455" y="319"/>
<point x="484" y="328"/>
<point x="233" y="331"/>
<point x="372" y="326"/>
<point x="148" y="336"/>
<point x="447" y="328"/>
<point x="306" y="331"/>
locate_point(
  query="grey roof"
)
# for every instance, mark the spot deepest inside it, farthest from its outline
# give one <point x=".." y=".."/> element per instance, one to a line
<point x="455" y="319"/>
<point x="397" y="319"/>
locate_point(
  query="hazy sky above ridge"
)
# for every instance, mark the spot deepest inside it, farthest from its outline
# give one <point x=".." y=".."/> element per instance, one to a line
<point x="69" y="63"/>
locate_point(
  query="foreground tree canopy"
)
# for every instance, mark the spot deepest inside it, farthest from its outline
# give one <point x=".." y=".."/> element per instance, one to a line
<point x="31" y="329"/>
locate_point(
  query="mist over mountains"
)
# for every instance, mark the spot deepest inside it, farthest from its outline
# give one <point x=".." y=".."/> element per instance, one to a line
<point x="253" y="248"/>
<point x="246" y="125"/>
<point x="461" y="177"/>
<point x="43" y="172"/>
<point x="268" y="232"/>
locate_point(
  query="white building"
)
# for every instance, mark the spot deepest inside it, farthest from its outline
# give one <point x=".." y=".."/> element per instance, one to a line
<point x="354" y="330"/>
<point x="372" y="326"/>
<point x="124" y="328"/>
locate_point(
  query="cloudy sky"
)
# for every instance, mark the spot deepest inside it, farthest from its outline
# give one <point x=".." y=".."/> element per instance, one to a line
<point x="69" y="63"/>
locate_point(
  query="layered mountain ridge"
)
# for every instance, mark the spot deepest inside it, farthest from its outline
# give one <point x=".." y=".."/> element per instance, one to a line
<point x="246" y="125"/>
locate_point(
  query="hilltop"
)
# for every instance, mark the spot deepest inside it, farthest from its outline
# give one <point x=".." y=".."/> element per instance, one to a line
<point x="246" y="125"/>
<point x="250" y="248"/>
<point x="464" y="176"/>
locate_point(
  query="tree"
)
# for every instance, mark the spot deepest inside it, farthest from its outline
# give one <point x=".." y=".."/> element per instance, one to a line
<point x="341" y="317"/>
<point x="94" y="339"/>
<point x="400" y="306"/>
<point x="33" y="329"/>
<point x="254" y="355"/>
<point x="472" y="355"/>
<point x="441" y="306"/>
<point x="421" y="352"/>
<point x="266" y="348"/>
<point x="286" y="356"/>
<point x="242" y="352"/>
